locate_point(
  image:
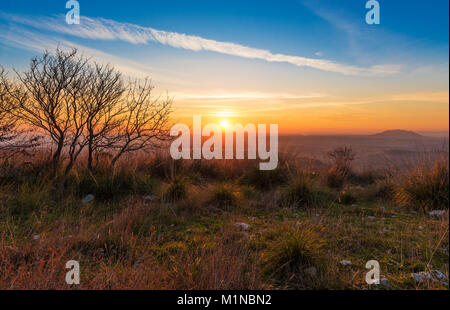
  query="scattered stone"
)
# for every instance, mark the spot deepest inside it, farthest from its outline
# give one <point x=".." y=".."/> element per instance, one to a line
<point x="36" y="237"/>
<point x="88" y="199"/>
<point x="345" y="262"/>
<point x="433" y="275"/>
<point x="148" y="198"/>
<point x="243" y="226"/>
<point x="385" y="283"/>
<point x="414" y="212"/>
<point x="311" y="271"/>
<point x="437" y="213"/>
<point x="371" y="217"/>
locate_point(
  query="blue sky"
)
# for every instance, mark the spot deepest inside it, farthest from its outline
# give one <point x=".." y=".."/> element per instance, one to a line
<point x="275" y="56"/>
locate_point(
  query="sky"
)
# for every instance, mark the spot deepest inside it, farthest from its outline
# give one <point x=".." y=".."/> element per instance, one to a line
<point x="310" y="66"/>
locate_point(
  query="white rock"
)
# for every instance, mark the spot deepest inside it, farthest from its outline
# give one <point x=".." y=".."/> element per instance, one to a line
<point x="88" y="199"/>
<point x="244" y="226"/>
<point x="433" y="275"/>
<point x="385" y="283"/>
<point x="418" y="276"/>
<point x="437" y="213"/>
<point x="371" y="217"/>
<point x="346" y="262"/>
<point x="36" y="237"/>
<point x="148" y="198"/>
<point x="311" y="271"/>
<point x="421" y="227"/>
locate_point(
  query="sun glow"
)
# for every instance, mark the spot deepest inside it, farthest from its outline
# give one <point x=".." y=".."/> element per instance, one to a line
<point x="224" y="124"/>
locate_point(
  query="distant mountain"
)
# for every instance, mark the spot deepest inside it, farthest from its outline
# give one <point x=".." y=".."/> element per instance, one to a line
<point x="398" y="134"/>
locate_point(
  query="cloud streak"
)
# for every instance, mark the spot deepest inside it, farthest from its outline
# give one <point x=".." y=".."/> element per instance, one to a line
<point x="105" y="29"/>
<point x="30" y="40"/>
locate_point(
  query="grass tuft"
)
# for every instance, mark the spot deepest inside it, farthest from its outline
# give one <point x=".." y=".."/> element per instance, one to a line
<point x="425" y="188"/>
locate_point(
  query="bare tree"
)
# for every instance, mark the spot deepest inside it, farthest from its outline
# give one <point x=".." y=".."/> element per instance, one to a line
<point x="144" y="120"/>
<point x="81" y="106"/>
<point x="47" y="97"/>
<point x="13" y="139"/>
<point x="103" y="105"/>
<point x="342" y="158"/>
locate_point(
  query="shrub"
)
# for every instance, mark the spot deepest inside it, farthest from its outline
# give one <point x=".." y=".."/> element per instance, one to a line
<point x="425" y="188"/>
<point x="346" y="198"/>
<point x="175" y="190"/>
<point x="295" y="249"/>
<point x="115" y="184"/>
<point x="298" y="193"/>
<point x="363" y="178"/>
<point x="248" y="191"/>
<point x="383" y="190"/>
<point x="341" y="158"/>
<point x="164" y="167"/>
<point x="265" y="179"/>
<point x="335" y="178"/>
<point x="206" y="169"/>
<point x="223" y="196"/>
<point x="30" y="197"/>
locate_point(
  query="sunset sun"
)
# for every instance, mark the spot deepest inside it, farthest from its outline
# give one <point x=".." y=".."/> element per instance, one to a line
<point x="224" y="124"/>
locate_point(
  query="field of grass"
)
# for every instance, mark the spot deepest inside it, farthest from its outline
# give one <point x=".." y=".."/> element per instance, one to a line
<point x="160" y="224"/>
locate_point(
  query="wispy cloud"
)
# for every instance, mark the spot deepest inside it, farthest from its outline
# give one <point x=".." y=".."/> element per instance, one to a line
<point x="104" y="29"/>
<point x="30" y="40"/>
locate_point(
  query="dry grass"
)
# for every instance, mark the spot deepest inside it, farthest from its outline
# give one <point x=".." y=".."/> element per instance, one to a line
<point x="186" y="237"/>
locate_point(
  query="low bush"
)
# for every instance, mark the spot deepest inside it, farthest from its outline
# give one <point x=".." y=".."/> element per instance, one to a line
<point x="425" y="188"/>
<point x="298" y="193"/>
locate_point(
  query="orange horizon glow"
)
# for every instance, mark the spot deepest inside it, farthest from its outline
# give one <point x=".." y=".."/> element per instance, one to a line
<point x="419" y="113"/>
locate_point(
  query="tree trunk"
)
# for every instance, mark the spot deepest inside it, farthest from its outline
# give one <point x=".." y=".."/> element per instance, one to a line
<point x="90" y="153"/>
<point x="56" y="158"/>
